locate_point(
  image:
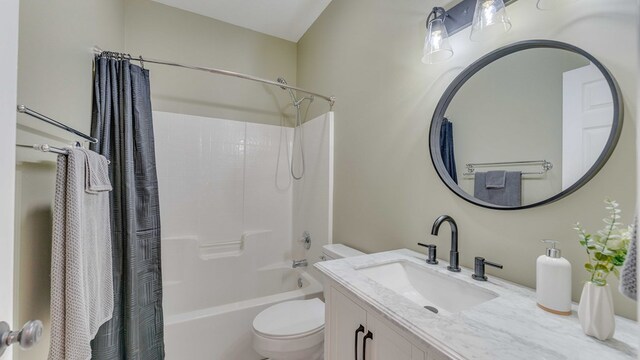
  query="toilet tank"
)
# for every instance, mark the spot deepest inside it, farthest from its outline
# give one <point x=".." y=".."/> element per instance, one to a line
<point x="339" y="251"/>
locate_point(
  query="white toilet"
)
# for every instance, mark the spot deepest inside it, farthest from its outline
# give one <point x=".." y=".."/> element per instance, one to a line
<point x="294" y="330"/>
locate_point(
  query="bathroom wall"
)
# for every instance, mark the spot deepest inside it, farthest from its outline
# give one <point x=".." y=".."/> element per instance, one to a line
<point x="162" y="32"/>
<point x="313" y="194"/>
<point x="54" y="78"/>
<point x="387" y="193"/>
<point x="530" y="131"/>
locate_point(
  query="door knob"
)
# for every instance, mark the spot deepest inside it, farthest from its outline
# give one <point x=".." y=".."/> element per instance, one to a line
<point x="28" y="336"/>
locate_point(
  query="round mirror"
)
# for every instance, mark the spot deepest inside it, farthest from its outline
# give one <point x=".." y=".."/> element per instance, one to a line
<point x="525" y="125"/>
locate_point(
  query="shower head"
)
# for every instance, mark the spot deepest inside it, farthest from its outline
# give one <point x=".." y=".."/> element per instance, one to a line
<point x="281" y="80"/>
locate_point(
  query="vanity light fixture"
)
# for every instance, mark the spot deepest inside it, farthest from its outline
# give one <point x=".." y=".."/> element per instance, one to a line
<point x="436" y="43"/>
<point x="490" y="18"/>
<point x="486" y="17"/>
<point x="466" y="14"/>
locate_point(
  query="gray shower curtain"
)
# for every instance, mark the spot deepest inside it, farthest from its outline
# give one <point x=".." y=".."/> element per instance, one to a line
<point x="122" y="123"/>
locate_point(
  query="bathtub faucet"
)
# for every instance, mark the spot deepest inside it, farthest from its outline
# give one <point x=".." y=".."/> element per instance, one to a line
<point x="300" y="263"/>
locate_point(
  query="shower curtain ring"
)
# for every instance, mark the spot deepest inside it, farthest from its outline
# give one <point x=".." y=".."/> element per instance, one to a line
<point x="141" y="62"/>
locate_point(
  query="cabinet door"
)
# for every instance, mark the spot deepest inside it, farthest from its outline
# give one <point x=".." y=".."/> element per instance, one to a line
<point x="343" y="319"/>
<point x="388" y="344"/>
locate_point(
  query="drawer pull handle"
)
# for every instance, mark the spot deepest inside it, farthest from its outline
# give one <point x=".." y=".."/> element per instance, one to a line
<point x="358" y="331"/>
<point x="364" y="344"/>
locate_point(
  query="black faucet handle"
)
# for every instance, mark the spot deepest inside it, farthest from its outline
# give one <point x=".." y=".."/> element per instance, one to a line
<point x="496" y="265"/>
<point x="431" y="255"/>
<point x="479" y="266"/>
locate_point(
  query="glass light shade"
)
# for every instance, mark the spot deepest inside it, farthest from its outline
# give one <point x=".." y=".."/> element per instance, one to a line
<point x="436" y="43"/>
<point x="489" y="20"/>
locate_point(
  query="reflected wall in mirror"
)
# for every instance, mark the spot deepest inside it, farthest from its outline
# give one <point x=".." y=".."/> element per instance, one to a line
<point x="526" y="125"/>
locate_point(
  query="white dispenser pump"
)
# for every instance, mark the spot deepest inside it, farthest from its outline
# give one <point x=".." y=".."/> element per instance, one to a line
<point x="553" y="281"/>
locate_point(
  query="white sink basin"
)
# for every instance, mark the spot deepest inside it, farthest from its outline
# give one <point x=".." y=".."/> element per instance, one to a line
<point x="427" y="288"/>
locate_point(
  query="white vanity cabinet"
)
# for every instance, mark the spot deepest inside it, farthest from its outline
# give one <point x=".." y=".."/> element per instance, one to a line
<point x="353" y="333"/>
<point x="508" y="325"/>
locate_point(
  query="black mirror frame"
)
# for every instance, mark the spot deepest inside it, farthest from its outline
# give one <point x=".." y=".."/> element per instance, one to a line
<point x="460" y="80"/>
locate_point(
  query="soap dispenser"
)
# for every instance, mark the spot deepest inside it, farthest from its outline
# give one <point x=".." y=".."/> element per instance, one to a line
<point x="553" y="281"/>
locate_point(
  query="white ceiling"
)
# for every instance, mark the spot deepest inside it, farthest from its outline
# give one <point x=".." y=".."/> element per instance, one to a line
<point x="286" y="19"/>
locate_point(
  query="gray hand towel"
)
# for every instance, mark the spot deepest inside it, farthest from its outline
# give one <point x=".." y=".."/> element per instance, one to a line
<point x="509" y="195"/>
<point x="96" y="172"/>
<point x="81" y="264"/>
<point x="495" y="179"/>
<point x="628" y="275"/>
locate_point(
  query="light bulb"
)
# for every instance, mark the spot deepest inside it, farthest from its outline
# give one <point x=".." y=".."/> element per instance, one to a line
<point x="436" y="43"/>
<point x="489" y="19"/>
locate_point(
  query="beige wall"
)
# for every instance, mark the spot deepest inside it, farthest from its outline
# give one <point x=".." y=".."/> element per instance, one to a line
<point x="54" y="78"/>
<point x="162" y="32"/>
<point x="387" y="193"/>
<point x="511" y="110"/>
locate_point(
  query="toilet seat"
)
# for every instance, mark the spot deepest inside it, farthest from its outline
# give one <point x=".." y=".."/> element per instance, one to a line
<point x="291" y="319"/>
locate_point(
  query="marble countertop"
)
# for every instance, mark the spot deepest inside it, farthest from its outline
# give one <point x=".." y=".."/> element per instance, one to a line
<point x="510" y="326"/>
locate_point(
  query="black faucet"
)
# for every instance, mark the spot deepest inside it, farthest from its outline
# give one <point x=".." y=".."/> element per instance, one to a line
<point x="453" y="254"/>
<point x="479" y="268"/>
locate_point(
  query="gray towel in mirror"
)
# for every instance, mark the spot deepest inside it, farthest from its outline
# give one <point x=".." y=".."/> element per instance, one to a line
<point x="495" y="179"/>
<point x="509" y="195"/>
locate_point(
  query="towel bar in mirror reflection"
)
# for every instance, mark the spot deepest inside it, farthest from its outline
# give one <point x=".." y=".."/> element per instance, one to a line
<point x="544" y="164"/>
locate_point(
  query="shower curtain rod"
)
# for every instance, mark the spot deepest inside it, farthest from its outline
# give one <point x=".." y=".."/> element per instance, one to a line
<point x="330" y="99"/>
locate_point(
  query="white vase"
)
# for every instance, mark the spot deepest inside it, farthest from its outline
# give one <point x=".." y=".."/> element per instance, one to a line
<point x="596" y="311"/>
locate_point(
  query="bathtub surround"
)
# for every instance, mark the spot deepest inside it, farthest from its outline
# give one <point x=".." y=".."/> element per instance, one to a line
<point x="223" y="178"/>
<point x="386" y="189"/>
<point x="313" y="194"/>
<point x="123" y="124"/>
<point x="232" y="216"/>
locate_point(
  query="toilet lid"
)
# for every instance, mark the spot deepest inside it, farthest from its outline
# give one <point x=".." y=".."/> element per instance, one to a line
<point x="291" y="318"/>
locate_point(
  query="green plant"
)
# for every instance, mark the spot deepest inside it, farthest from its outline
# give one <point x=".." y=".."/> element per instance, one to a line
<point x="607" y="249"/>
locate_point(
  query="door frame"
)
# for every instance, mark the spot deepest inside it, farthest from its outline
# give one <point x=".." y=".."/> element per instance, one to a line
<point x="9" y="10"/>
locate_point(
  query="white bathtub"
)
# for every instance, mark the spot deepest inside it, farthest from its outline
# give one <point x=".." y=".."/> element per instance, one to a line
<point x="223" y="331"/>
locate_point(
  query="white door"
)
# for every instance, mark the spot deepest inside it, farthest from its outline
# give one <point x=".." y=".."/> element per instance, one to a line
<point x="587" y="116"/>
<point x="8" y="84"/>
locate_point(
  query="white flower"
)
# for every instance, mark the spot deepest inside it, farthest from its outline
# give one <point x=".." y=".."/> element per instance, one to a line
<point x="615" y="244"/>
